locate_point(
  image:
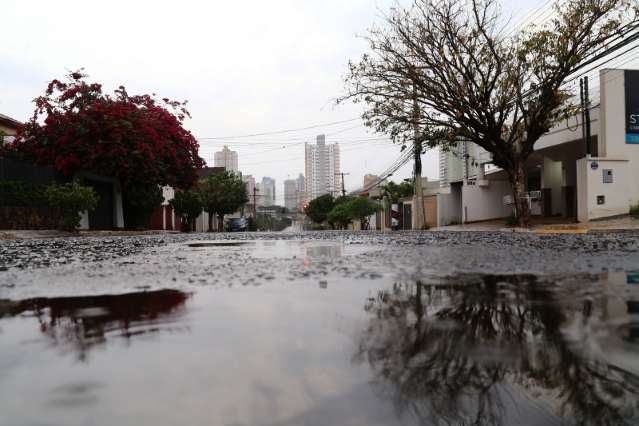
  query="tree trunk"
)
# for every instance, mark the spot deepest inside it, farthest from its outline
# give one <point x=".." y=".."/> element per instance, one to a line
<point x="520" y="196"/>
<point x="211" y="214"/>
<point x="220" y="223"/>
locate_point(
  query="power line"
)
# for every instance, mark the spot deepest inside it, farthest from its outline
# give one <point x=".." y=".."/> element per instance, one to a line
<point x="277" y="132"/>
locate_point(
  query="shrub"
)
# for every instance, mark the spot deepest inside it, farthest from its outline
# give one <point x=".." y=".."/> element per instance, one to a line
<point x="634" y="210"/>
<point x="71" y="199"/>
<point x="188" y="206"/>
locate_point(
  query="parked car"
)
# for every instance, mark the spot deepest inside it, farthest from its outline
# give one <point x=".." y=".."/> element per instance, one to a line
<point x="237" y="224"/>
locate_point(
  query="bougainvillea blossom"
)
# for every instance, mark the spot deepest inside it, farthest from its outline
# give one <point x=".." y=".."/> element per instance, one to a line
<point x="137" y="139"/>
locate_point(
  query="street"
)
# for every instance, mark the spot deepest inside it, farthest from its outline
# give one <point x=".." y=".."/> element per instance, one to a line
<point x="320" y="328"/>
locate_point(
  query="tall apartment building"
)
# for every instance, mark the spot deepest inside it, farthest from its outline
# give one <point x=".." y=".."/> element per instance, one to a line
<point x="267" y="192"/>
<point x="322" y="169"/>
<point x="301" y="190"/>
<point x="227" y="159"/>
<point x="290" y="194"/>
<point x="249" y="180"/>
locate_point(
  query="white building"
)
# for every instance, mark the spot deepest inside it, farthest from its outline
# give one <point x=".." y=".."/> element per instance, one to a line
<point x="227" y="159"/>
<point x="301" y="191"/>
<point x="266" y="196"/>
<point x="564" y="179"/>
<point x="290" y="194"/>
<point x="322" y="169"/>
<point x="249" y="180"/>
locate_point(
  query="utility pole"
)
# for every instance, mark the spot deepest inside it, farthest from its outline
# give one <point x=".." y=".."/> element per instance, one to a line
<point x="418" y="199"/>
<point x="254" y="203"/>
<point x="343" y="187"/>
<point x="589" y="150"/>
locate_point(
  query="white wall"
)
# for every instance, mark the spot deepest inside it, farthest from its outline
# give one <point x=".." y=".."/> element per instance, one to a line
<point x="590" y="186"/>
<point x="613" y="143"/>
<point x="485" y="202"/>
<point x="449" y="207"/>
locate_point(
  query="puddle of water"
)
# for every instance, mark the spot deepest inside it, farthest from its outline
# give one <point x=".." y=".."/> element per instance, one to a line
<point x="221" y="244"/>
<point x="283" y="248"/>
<point x="470" y="349"/>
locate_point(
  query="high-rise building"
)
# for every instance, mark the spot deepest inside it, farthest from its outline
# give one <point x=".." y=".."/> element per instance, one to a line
<point x="227" y="159"/>
<point x="249" y="180"/>
<point x="322" y="169"/>
<point x="267" y="192"/>
<point x="290" y="194"/>
<point x="301" y="191"/>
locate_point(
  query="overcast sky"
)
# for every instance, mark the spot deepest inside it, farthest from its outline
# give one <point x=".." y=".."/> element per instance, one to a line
<point x="244" y="66"/>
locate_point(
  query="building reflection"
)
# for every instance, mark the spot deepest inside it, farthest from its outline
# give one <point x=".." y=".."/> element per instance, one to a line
<point x="455" y="352"/>
<point x="79" y="324"/>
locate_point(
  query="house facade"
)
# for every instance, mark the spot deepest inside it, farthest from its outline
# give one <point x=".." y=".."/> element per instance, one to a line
<point x="569" y="175"/>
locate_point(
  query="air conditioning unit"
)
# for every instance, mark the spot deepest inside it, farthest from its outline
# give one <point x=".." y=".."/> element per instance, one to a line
<point x="535" y="195"/>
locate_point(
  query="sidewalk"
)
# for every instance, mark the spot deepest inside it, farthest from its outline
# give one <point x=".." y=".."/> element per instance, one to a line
<point x="621" y="224"/>
<point x="36" y="234"/>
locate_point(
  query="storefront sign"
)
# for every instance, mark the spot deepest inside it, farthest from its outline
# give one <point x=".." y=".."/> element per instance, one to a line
<point x="594" y="165"/>
<point x="632" y="277"/>
<point x="632" y="106"/>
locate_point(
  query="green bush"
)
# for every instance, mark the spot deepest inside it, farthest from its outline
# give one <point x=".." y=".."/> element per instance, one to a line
<point x="634" y="210"/>
<point x="71" y="199"/>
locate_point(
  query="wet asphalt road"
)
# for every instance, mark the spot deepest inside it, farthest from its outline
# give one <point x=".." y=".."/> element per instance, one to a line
<point x="88" y="265"/>
<point x="323" y="328"/>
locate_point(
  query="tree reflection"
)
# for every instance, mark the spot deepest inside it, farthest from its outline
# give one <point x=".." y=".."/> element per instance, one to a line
<point x="81" y="323"/>
<point x="469" y="351"/>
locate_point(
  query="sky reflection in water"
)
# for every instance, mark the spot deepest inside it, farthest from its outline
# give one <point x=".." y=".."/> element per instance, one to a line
<point x="457" y="350"/>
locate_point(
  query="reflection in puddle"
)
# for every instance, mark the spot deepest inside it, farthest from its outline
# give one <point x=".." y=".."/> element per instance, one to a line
<point x="463" y="350"/>
<point x="80" y="323"/>
<point x="477" y="350"/>
<point x="221" y="244"/>
<point x="280" y="248"/>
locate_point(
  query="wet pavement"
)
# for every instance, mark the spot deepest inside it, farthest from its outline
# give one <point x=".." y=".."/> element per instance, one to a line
<point x="328" y="328"/>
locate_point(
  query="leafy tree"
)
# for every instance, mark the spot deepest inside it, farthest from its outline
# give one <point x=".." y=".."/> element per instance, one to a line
<point x="361" y="208"/>
<point x="319" y="208"/>
<point x="341" y="215"/>
<point x="188" y="206"/>
<point x="71" y="199"/>
<point x="221" y="194"/>
<point x="137" y="139"/>
<point x="139" y="203"/>
<point x="358" y="208"/>
<point x="395" y="191"/>
<point x="441" y="72"/>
